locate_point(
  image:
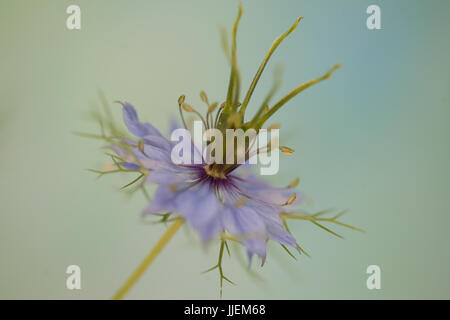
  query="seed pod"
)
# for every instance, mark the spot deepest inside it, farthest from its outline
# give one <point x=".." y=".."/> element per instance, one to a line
<point x="234" y="119"/>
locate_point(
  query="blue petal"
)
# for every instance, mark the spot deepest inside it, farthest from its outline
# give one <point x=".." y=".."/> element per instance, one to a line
<point x="261" y="190"/>
<point x="130" y="166"/>
<point x="258" y="247"/>
<point x="157" y="142"/>
<point x="198" y="204"/>
<point x="131" y="119"/>
<point x="246" y="224"/>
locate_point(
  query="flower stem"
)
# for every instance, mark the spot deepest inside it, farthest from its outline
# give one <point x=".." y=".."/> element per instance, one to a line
<point x="173" y="228"/>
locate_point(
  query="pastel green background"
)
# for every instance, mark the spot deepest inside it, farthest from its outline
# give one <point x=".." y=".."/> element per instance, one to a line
<point x="373" y="139"/>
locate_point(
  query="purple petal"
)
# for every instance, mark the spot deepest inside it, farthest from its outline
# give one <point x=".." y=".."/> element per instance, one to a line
<point x="130" y="166"/>
<point x="245" y="223"/>
<point x="133" y="124"/>
<point x="259" y="189"/>
<point x="197" y="204"/>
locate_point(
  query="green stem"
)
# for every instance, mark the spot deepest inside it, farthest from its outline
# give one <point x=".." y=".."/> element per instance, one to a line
<point x="173" y="228"/>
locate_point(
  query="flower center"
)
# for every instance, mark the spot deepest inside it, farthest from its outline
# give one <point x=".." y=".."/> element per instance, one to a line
<point x="214" y="172"/>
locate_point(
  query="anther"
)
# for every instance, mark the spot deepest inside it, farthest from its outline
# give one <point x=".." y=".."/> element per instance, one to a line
<point x="294" y="183"/>
<point x="141" y="146"/>
<point x="181" y="99"/>
<point x="212" y="107"/>
<point x="240" y="202"/>
<point x="286" y="150"/>
<point x="187" y="107"/>
<point x="291" y="199"/>
<point x="273" y="126"/>
<point x="203" y="97"/>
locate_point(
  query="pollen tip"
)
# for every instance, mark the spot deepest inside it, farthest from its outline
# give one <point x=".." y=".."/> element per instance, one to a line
<point x="212" y="107"/>
<point x="294" y="183"/>
<point x="240" y="202"/>
<point x="291" y="199"/>
<point x="273" y="126"/>
<point x="187" y="107"/>
<point x="286" y="150"/>
<point x="203" y="96"/>
<point x="181" y="99"/>
<point x="141" y="145"/>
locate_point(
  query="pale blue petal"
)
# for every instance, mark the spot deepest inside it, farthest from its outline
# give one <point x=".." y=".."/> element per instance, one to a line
<point x="133" y="124"/>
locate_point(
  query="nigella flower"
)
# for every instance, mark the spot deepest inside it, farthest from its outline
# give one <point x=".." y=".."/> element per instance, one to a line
<point x="218" y="200"/>
<point x="211" y="200"/>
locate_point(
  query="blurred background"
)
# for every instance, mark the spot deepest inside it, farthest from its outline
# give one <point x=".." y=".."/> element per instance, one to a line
<point x="372" y="139"/>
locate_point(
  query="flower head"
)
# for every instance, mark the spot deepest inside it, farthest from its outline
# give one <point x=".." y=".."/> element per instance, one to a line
<point x="213" y="201"/>
<point x="217" y="199"/>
